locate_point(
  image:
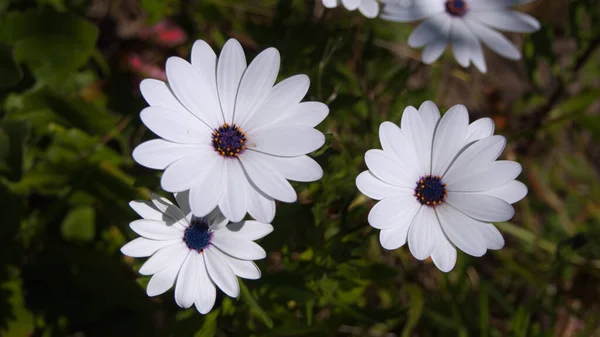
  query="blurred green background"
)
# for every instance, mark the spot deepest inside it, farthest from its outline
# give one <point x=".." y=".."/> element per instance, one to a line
<point x="69" y="100"/>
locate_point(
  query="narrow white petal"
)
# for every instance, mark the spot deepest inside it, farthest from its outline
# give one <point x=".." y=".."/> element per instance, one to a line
<point x="415" y="130"/>
<point x="165" y="278"/>
<point x="142" y="247"/>
<point x="509" y="21"/>
<point x="234" y="202"/>
<point x="351" y="4"/>
<point x="481" y="207"/>
<point x="430" y="114"/>
<point x="511" y="192"/>
<point x="270" y="182"/>
<point x="497" y="174"/>
<point x="444" y="253"/>
<point x="460" y="42"/>
<point x="155" y="230"/>
<point x="308" y="114"/>
<point x="146" y="210"/>
<point x="205" y="196"/>
<point x="302" y="168"/>
<point x="158" y="94"/>
<point x="394" y="142"/>
<point x="494" y="40"/>
<point x="434" y="50"/>
<point x="250" y="230"/>
<point x="492" y="236"/>
<point x="287" y="141"/>
<point x="164" y="258"/>
<point x="376" y="188"/>
<point x="449" y="138"/>
<point x="260" y="206"/>
<point x="475" y="158"/>
<point x="220" y="272"/>
<point x="165" y="206"/>
<point x="175" y="127"/>
<point x="422" y="234"/>
<point x="369" y="8"/>
<point x="183" y="200"/>
<point x="392" y="211"/>
<point x="187" y="281"/>
<point x="189" y="171"/>
<point x="461" y="230"/>
<point x="256" y="84"/>
<point x="193" y="92"/>
<point x="204" y="60"/>
<point x="331" y="3"/>
<point x="427" y="32"/>
<point x="395" y="237"/>
<point x="479" y="129"/>
<point x="237" y="246"/>
<point x="244" y="269"/>
<point x="158" y="153"/>
<point x="418" y="11"/>
<point x="231" y="67"/>
<point x="206" y="293"/>
<point x="389" y="169"/>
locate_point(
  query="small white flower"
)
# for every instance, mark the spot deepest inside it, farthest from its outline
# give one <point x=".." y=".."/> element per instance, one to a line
<point x="230" y="136"/>
<point x="464" y="24"/>
<point x="368" y="8"/>
<point x="440" y="185"/>
<point x="194" y="253"/>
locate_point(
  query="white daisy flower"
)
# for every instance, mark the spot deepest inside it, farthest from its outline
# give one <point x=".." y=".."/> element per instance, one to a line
<point x="368" y="8"/>
<point x="464" y="24"/>
<point x="440" y="185"/>
<point x="193" y="253"/>
<point x="230" y="136"/>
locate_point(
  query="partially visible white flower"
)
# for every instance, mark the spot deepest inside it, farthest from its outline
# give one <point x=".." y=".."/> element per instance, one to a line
<point x="464" y="24"/>
<point x="368" y="8"/>
<point x="193" y="253"/>
<point x="440" y="185"/>
<point x="229" y="134"/>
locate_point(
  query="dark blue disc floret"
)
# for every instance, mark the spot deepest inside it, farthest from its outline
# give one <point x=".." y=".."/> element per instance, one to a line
<point x="431" y="191"/>
<point x="456" y="7"/>
<point x="229" y="140"/>
<point x="197" y="236"/>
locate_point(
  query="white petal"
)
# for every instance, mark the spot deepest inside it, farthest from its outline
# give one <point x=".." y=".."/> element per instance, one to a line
<point x="234" y="202"/>
<point x="351" y="4"/>
<point x="430" y="30"/>
<point x="460" y="42"/>
<point x="308" y="114"/>
<point x="418" y="11"/>
<point x="477" y="56"/>
<point x="204" y="60"/>
<point x="237" y="246"/>
<point x="158" y="94"/>
<point x="389" y="169"/>
<point x="494" y="40"/>
<point x="422" y="235"/>
<point x="164" y="258"/>
<point x="301" y="168"/>
<point x="434" y="50"/>
<point x="165" y="278"/>
<point x="497" y="174"/>
<point x="270" y="182"/>
<point x="220" y="272"/>
<point x="187" y="281"/>
<point x="475" y="158"/>
<point x="193" y="92"/>
<point x="479" y="129"/>
<point x="511" y="192"/>
<point x="287" y="141"/>
<point x="158" y="153"/>
<point x="260" y="206"/>
<point x="461" y="230"/>
<point x="449" y="138"/>
<point x="244" y="269"/>
<point x="204" y="197"/>
<point x="392" y="211"/>
<point x="250" y="230"/>
<point x="510" y="21"/>
<point x="256" y="84"/>
<point x="155" y="230"/>
<point x="444" y="253"/>
<point x="231" y="67"/>
<point x="395" y="237"/>
<point x="430" y="114"/>
<point x="492" y="236"/>
<point x="172" y="214"/>
<point x="375" y="188"/>
<point x="395" y="143"/>
<point x="183" y="200"/>
<point x="284" y="95"/>
<point x="142" y="247"/>
<point x="415" y="130"/>
<point x="189" y="171"/>
<point x="481" y="207"/>
<point x="331" y="3"/>
<point x="146" y="210"/>
<point x="206" y="293"/>
<point x="369" y="8"/>
<point x="175" y="127"/>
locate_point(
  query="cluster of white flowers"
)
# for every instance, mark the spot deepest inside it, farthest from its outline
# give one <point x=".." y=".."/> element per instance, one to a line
<point x="230" y="139"/>
<point x="465" y="24"/>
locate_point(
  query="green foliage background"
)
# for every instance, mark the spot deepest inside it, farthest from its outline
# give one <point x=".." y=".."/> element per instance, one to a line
<point x="69" y="121"/>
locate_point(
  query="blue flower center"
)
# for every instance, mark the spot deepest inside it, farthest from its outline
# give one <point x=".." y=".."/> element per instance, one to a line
<point x="430" y="191"/>
<point x="229" y="140"/>
<point x="456" y="7"/>
<point x="197" y="236"/>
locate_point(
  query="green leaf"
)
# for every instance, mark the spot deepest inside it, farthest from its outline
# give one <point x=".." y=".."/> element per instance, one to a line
<point x="415" y="310"/>
<point x="12" y="139"/>
<point x="79" y="224"/>
<point x="53" y="45"/>
<point x="254" y="306"/>
<point x="209" y="328"/>
<point x="10" y="73"/>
